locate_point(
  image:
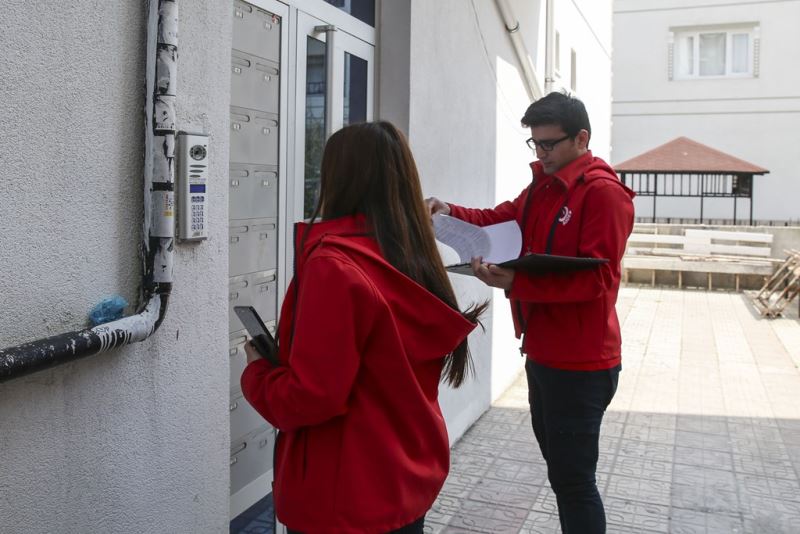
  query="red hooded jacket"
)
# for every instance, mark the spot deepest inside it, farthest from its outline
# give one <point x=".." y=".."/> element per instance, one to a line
<point x="363" y="445"/>
<point x="571" y="318"/>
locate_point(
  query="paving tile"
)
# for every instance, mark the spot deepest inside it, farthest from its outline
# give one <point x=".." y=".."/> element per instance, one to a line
<point x="769" y="522"/>
<point x="470" y="464"/>
<point x="542" y="522"/>
<point x="482" y="447"/>
<point x="506" y="415"/>
<point x="756" y="507"/>
<point x="444" y="509"/>
<point x="701" y="440"/>
<point x="706" y="498"/>
<point x="521" y="451"/>
<point x="611" y="428"/>
<point x="704" y="425"/>
<point x="459" y="485"/>
<point x="648" y="433"/>
<point x="683" y="521"/>
<point x="433" y="527"/>
<point x="638" y="489"/>
<point x="768" y="487"/>
<point x="476" y="516"/>
<point x="703" y="457"/>
<point x="764" y="466"/>
<point x="704" y="479"/>
<point x="641" y="449"/>
<point x="635" y="516"/>
<point x="646" y="468"/>
<point x="505" y="494"/>
<point x="534" y="473"/>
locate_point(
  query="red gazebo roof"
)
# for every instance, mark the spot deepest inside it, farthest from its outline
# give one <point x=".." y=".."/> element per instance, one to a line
<point x="683" y="155"/>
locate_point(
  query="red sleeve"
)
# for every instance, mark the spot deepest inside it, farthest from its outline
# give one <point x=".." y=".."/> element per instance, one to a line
<point x="506" y="211"/>
<point x="607" y="223"/>
<point x="326" y="350"/>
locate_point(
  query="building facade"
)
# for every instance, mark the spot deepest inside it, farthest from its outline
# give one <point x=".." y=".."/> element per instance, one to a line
<point x="718" y="72"/>
<point x="154" y="436"/>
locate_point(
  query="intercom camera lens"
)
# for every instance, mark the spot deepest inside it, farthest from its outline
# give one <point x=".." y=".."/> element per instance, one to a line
<point x="198" y="152"/>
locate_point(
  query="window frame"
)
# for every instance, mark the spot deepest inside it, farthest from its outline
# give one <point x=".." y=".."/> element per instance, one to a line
<point x="679" y="36"/>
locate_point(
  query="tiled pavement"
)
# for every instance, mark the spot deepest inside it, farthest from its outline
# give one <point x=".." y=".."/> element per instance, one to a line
<point x="703" y="435"/>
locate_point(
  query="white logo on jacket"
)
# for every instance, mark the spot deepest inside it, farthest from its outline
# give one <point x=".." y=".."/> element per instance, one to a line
<point x="566" y="215"/>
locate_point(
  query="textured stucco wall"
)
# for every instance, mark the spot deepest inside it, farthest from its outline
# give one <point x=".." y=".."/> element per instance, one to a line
<point x="135" y="440"/>
<point x="754" y="119"/>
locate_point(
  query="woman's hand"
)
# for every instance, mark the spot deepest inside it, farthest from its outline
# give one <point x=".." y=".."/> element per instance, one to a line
<point x="252" y="352"/>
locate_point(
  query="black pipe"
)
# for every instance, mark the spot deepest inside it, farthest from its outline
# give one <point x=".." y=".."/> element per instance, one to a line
<point x="52" y="351"/>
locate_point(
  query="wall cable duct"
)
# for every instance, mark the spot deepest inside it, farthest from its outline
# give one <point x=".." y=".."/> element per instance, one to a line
<point x="157" y="249"/>
<point x="523" y="58"/>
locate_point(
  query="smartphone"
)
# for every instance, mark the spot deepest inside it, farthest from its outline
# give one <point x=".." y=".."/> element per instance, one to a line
<point x="262" y="339"/>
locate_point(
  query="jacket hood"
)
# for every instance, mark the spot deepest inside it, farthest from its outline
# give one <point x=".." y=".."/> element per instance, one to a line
<point x="600" y="170"/>
<point x="428" y="327"/>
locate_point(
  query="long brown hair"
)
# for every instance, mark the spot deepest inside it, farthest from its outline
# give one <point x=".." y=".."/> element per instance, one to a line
<point x="367" y="168"/>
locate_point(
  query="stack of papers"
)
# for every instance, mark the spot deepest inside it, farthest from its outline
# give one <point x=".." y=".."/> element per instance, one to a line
<point x="499" y="244"/>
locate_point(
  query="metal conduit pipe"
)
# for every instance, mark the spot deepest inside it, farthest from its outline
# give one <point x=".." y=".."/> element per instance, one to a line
<point x="159" y="221"/>
<point x="549" y="47"/>
<point x="512" y="27"/>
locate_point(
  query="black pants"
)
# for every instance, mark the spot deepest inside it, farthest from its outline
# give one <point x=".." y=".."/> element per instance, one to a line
<point x="567" y="409"/>
<point x="414" y="528"/>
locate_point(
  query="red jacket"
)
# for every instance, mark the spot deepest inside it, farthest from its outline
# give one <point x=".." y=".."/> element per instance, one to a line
<point x="363" y="445"/>
<point x="571" y="318"/>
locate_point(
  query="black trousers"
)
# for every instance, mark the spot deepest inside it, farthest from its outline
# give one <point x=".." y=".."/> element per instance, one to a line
<point x="567" y="410"/>
<point x="414" y="528"/>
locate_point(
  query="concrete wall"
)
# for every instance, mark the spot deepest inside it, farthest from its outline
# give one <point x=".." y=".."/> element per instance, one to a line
<point x="135" y="440"/>
<point x="750" y="118"/>
<point x="466" y="100"/>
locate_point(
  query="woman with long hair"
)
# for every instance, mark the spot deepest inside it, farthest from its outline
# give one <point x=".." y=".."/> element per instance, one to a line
<point x="368" y="328"/>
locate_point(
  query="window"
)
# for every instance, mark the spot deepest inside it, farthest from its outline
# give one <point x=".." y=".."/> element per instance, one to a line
<point x="558" y="52"/>
<point x="573" y="70"/>
<point x="714" y="53"/>
<point x="363" y="10"/>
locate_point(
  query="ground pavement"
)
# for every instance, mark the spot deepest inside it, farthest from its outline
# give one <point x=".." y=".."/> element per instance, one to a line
<point x="703" y="435"/>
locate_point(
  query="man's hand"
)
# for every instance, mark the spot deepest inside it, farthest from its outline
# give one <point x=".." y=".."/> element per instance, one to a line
<point x="436" y="206"/>
<point x="492" y="275"/>
<point x="252" y="352"/>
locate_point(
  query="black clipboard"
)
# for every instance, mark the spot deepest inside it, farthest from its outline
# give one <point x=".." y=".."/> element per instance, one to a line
<point x="538" y="264"/>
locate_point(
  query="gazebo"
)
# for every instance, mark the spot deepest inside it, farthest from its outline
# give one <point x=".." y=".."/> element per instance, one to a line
<point x="686" y="168"/>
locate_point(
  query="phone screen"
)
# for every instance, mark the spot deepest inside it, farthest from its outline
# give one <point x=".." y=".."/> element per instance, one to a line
<point x="252" y="322"/>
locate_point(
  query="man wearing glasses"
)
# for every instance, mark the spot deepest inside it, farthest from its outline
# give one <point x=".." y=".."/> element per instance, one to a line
<point x="574" y="206"/>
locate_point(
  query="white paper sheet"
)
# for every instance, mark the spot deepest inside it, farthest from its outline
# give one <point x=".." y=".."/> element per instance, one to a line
<point x="496" y="243"/>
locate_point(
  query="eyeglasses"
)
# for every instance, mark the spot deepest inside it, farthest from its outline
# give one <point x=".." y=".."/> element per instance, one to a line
<point x="547" y="144"/>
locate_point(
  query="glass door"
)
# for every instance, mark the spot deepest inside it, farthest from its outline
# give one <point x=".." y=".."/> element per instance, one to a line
<point x="334" y="89"/>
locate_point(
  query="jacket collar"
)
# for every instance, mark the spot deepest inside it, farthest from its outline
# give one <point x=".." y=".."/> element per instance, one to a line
<point x="341" y="226"/>
<point x="568" y="174"/>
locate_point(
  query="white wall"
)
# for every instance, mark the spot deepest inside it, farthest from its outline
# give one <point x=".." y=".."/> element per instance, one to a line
<point x="135" y="440"/>
<point x="585" y="26"/>
<point x="750" y="118"/>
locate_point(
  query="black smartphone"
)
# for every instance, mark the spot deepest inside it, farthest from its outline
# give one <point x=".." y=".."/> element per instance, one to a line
<point x="262" y="339"/>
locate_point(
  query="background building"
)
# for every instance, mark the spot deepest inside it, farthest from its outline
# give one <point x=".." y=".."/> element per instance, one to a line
<point x="717" y="72"/>
<point x="150" y="437"/>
